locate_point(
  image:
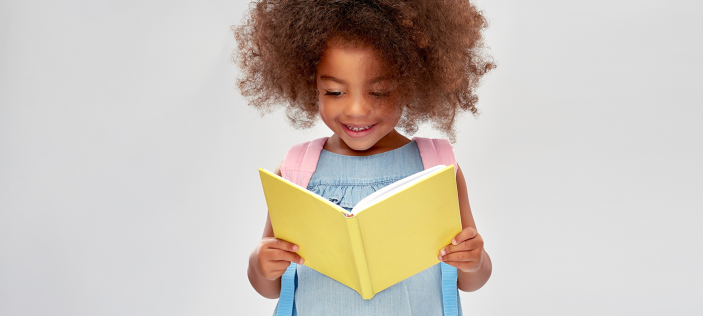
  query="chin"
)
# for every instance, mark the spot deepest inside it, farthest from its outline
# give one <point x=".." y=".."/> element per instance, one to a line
<point x="358" y="145"/>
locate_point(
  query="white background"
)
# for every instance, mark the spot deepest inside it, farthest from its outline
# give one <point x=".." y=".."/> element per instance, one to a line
<point x="128" y="182"/>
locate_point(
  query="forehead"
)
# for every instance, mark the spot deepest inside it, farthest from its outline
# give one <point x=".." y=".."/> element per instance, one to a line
<point x="350" y="62"/>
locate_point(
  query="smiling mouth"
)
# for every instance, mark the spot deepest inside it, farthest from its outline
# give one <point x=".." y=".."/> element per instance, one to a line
<point x="359" y="129"/>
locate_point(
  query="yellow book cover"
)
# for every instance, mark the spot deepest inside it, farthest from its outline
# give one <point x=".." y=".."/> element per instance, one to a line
<point x="389" y="236"/>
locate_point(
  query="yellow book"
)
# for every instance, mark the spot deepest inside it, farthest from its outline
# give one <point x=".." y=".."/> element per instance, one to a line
<point x="389" y="236"/>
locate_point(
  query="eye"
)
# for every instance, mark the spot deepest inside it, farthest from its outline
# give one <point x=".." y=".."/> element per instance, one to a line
<point x="333" y="93"/>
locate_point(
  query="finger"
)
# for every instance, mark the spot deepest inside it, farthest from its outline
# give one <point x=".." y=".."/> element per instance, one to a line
<point x="274" y="267"/>
<point x="281" y="255"/>
<point x="466" y="234"/>
<point x="282" y="245"/>
<point x="275" y="274"/>
<point x="463" y="256"/>
<point x="468" y="245"/>
<point x="466" y="266"/>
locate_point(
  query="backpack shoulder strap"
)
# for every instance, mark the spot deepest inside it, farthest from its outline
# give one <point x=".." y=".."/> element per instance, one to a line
<point x="298" y="166"/>
<point x="301" y="161"/>
<point x="435" y="151"/>
<point x="440" y="152"/>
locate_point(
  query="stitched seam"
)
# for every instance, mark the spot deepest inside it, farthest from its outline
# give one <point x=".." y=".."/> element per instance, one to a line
<point x="311" y="147"/>
<point x="436" y="151"/>
<point x="304" y="176"/>
<point x="304" y="181"/>
<point x="299" y="162"/>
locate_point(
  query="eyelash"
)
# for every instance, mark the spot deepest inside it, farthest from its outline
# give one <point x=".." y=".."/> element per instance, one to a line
<point x="335" y="93"/>
<point x="374" y="94"/>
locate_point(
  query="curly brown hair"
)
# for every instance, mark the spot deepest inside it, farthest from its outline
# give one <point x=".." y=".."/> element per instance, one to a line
<point x="435" y="49"/>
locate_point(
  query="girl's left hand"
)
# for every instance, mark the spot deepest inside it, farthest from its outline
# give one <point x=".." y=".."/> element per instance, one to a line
<point x="466" y="251"/>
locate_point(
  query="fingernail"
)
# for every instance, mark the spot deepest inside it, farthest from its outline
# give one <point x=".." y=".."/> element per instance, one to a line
<point x="442" y="253"/>
<point x="295" y="248"/>
<point x="302" y="261"/>
<point x="440" y="258"/>
<point x="454" y="242"/>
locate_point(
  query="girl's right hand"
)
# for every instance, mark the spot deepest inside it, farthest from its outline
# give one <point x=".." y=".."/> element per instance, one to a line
<point x="274" y="256"/>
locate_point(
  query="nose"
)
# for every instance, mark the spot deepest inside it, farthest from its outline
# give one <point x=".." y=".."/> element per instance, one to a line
<point x="357" y="106"/>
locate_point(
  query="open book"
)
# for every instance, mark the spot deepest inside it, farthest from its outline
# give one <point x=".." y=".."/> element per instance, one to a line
<point x="388" y="236"/>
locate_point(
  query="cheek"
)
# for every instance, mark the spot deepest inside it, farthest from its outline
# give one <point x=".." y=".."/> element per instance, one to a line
<point x="321" y="110"/>
<point x="326" y="112"/>
<point x="391" y="112"/>
<point x="395" y="116"/>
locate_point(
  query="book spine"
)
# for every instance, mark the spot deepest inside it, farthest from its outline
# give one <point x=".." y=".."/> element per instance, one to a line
<point x="362" y="269"/>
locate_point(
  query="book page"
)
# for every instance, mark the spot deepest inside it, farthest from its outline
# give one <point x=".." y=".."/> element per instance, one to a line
<point x="413" y="224"/>
<point x="313" y="223"/>
<point x="394" y="187"/>
<point x="339" y="208"/>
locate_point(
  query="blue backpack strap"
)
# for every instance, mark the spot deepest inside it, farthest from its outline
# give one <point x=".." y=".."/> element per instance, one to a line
<point x="298" y="166"/>
<point x="450" y="303"/>
<point x="440" y="152"/>
<point x="286" y="300"/>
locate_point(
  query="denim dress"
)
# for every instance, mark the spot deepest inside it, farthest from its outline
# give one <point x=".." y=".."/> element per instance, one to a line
<point x="345" y="180"/>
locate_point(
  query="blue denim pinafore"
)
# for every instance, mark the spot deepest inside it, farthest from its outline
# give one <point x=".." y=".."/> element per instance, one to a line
<point x="345" y="180"/>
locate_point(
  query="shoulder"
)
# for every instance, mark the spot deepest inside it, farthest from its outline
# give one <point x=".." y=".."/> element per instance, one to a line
<point x="278" y="169"/>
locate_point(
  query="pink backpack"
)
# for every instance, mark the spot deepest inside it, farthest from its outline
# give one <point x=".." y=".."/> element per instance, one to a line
<point x="301" y="160"/>
<point x="299" y="165"/>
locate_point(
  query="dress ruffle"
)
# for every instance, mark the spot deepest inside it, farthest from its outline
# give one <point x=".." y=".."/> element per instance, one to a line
<point x="348" y="195"/>
<point x="346" y="180"/>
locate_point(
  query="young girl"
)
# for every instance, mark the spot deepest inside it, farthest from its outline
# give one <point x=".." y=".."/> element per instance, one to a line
<point x="367" y="69"/>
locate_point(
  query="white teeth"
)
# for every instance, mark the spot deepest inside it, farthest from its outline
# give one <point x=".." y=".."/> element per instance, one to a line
<point x="358" y="129"/>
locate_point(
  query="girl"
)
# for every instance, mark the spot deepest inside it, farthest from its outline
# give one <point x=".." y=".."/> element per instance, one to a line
<point x="368" y="69"/>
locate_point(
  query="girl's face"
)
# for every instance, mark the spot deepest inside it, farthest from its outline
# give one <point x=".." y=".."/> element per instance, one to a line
<point x="356" y="96"/>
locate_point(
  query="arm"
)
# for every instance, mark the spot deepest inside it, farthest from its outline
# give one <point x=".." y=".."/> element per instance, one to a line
<point x="269" y="260"/>
<point x="466" y="252"/>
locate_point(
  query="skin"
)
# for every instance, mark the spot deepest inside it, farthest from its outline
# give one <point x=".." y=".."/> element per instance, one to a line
<point x="354" y="92"/>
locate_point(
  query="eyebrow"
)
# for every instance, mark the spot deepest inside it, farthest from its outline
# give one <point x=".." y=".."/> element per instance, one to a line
<point x="379" y="79"/>
<point x="330" y="78"/>
<point x="340" y="81"/>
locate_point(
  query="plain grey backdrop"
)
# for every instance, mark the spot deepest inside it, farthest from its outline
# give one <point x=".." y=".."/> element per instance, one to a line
<point x="128" y="181"/>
